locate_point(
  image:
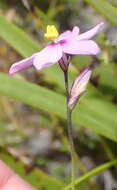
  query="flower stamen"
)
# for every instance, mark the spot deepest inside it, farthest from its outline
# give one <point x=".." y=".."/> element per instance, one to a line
<point x="51" y="32"/>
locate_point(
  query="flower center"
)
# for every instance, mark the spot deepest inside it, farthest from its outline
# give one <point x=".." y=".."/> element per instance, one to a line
<point x="51" y="32"/>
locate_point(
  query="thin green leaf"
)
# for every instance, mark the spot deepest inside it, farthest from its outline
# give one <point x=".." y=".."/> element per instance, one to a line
<point x="107" y="80"/>
<point x="105" y="8"/>
<point x="17" y="38"/>
<point x="92" y="112"/>
<point x="93" y="172"/>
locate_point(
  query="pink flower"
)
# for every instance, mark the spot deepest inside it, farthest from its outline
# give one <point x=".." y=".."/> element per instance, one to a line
<point x="78" y="87"/>
<point x="69" y="42"/>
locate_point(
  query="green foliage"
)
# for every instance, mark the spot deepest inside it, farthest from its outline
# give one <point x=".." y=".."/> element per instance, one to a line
<point x="3" y="5"/>
<point x="105" y="8"/>
<point x="17" y="38"/>
<point x="107" y="79"/>
<point x="93" y="173"/>
<point x="93" y="111"/>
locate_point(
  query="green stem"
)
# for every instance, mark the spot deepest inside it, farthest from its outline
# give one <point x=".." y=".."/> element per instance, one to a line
<point x="93" y="172"/>
<point x="70" y="133"/>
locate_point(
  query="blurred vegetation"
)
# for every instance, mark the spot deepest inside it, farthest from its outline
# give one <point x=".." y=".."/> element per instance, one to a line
<point x="33" y="134"/>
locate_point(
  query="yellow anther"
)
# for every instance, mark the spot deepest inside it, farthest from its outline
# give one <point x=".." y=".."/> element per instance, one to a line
<point x="51" y="32"/>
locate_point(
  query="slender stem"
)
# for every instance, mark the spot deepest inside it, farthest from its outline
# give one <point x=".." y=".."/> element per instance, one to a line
<point x="70" y="132"/>
<point x="91" y="173"/>
<point x="66" y="86"/>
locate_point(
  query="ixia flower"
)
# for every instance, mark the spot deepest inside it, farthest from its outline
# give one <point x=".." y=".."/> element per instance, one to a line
<point x="78" y="87"/>
<point x="69" y="43"/>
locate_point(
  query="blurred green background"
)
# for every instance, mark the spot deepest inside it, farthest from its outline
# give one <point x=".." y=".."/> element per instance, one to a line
<point x="33" y="133"/>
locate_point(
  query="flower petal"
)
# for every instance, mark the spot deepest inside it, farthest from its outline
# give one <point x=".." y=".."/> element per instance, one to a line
<point x="21" y="65"/>
<point x="75" y="30"/>
<point x="64" y="36"/>
<point x="78" y="87"/>
<point x="79" y="84"/>
<point x="68" y="35"/>
<point x="48" y="56"/>
<point x="88" y="35"/>
<point x="86" y="47"/>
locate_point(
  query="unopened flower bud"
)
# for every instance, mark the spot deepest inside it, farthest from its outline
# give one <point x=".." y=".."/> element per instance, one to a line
<point x="79" y="87"/>
<point x="64" y="62"/>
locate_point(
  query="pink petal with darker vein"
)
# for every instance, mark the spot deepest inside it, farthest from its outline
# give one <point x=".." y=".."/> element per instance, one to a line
<point x="64" y="36"/>
<point x="79" y="86"/>
<point x="86" y="47"/>
<point x="21" y="65"/>
<point x="48" y="56"/>
<point x="68" y="35"/>
<point x="91" y="33"/>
